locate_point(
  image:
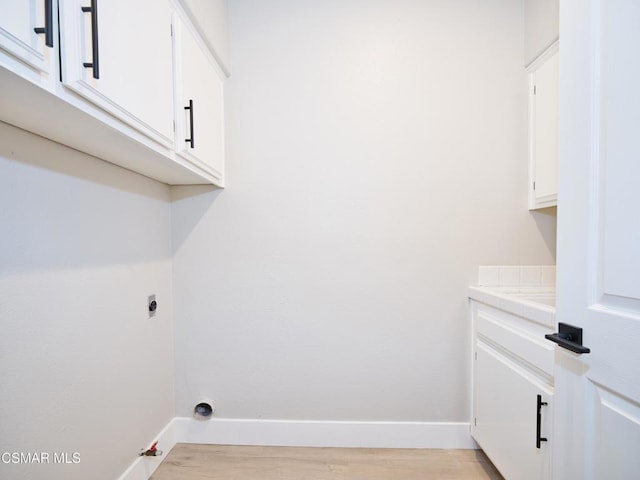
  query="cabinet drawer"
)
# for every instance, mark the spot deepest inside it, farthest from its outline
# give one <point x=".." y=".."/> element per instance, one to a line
<point x="517" y="337"/>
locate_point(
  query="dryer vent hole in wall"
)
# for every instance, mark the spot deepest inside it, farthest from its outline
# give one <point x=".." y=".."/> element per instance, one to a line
<point x="203" y="410"/>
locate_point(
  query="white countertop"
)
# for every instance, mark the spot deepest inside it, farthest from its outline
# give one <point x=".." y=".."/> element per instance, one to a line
<point x="535" y="303"/>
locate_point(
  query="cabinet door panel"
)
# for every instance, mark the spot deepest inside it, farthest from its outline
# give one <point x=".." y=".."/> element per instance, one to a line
<point x="17" y="35"/>
<point x="546" y="128"/>
<point x="543" y="131"/>
<point x="505" y="416"/>
<point x="201" y="82"/>
<point x="135" y="76"/>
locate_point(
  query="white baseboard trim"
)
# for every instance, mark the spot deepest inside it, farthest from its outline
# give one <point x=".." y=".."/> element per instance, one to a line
<point x="297" y="433"/>
<point x="228" y="431"/>
<point x="143" y="467"/>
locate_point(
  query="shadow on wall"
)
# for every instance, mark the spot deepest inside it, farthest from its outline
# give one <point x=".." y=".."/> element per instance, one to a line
<point x="546" y="221"/>
<point x="184" y="220"/>
<point x="65" y="209"/>
<point x="25" y="147"/>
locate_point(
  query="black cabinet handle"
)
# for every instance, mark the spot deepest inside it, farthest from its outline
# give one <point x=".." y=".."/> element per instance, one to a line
<point x="568" y="337"/>
<point x="47" y="30"/>
<point x="190" y="139"/>
<point x="539" y="438"/>
<point x="95" y="64"/>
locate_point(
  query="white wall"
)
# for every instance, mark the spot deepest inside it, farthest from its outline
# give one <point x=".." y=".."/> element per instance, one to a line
<point x="82" y="245"/>
<point x="541" y="27"/>
<point x="377" y="155"/>
<point x="210" y="17"/>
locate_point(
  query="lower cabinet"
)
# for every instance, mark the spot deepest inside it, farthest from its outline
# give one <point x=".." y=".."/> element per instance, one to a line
<point x="513" y="395"/>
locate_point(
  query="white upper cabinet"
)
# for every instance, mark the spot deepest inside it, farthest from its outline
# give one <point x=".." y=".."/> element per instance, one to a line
<point x="199" y="102"/>
<point x="543" y="131"/>
<point x="111" y="87"/>
<point x="117" y="54"/>
<point x="28" y="32"/>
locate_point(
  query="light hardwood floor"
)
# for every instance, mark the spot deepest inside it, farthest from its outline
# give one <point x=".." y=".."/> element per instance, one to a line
<point x="204" y="462"/>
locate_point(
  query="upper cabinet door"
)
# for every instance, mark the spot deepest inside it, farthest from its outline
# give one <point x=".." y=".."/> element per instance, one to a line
<point x="544" y="134"/>
<point x="117" y="54"/>
<point x="200" y="107"/>
<point x="27" y="32"/>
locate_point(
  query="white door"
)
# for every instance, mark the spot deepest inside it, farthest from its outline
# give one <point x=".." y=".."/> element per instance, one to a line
<point x="597" y="410"/>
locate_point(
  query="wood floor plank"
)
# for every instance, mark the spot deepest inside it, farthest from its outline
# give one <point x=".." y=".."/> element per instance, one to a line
<point x="226" y="462"/>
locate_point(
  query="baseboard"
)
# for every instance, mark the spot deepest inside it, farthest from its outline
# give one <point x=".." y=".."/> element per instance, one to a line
<point x="323" y="434"/>
<point x="296" y="433"/>
<point x="143" y="467"/>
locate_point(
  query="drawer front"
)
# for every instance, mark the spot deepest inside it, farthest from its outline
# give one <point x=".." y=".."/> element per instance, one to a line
<point x="516" y="337"/>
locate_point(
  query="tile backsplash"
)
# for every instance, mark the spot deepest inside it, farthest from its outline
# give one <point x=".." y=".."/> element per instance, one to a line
<point x="517" y="276"/>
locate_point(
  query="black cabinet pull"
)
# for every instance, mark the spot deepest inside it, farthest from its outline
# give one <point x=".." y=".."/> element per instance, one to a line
<point x="190" y="139"/>
<point x="47" y="30"/>
<point x="568" y="337"/>
<point x="95" y="64"/>
<point x="539" y="438"/>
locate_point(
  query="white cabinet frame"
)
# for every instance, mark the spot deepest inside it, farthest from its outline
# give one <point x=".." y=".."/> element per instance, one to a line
<point x="543" y="129"/>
